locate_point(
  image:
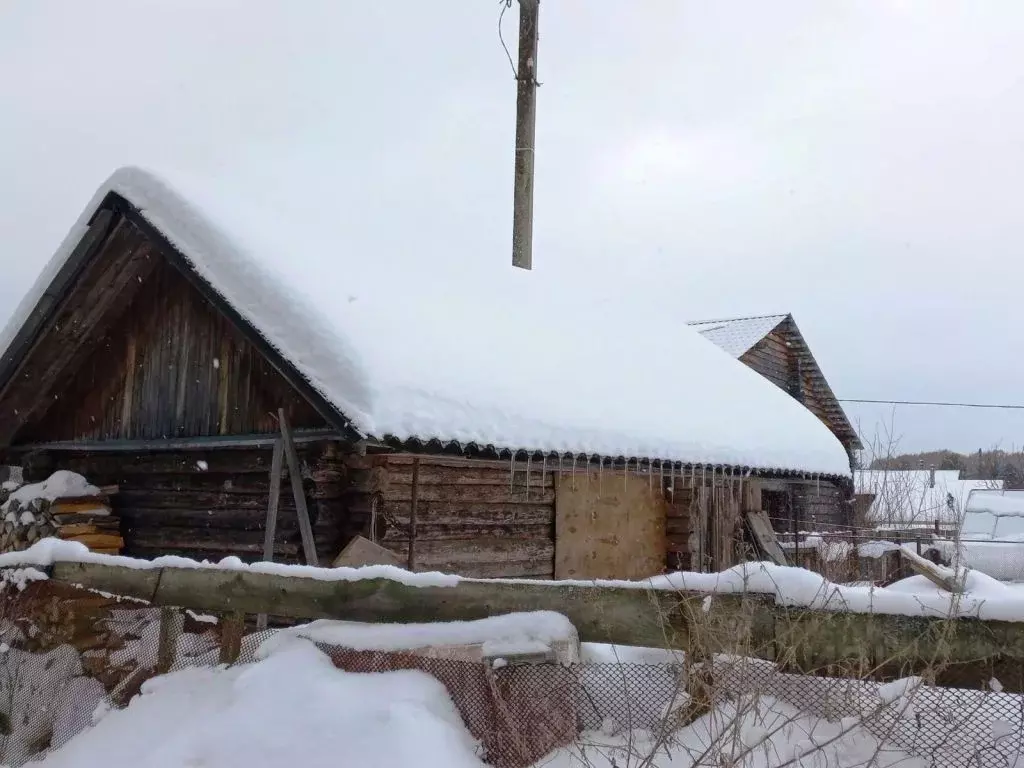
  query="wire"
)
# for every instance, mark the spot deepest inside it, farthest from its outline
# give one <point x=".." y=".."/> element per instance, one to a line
<point x="505" y="5"/>
<point x="999" y="406"/>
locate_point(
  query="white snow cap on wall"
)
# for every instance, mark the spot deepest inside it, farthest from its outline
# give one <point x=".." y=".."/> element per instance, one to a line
<point x="409" y="347"/>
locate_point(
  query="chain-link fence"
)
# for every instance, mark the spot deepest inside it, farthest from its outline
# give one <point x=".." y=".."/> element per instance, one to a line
<point x="67" y="655"/>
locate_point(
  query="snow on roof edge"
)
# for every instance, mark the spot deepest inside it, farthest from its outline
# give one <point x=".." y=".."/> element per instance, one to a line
<point x="191" y="232"/>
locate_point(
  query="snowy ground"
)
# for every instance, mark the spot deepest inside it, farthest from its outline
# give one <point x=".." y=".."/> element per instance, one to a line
<point x="293" y="707"/>
<point x="759" y="732"/>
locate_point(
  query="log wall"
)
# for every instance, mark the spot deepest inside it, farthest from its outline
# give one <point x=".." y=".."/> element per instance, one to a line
<point x="474" y="517"/>
<point x="209" y="504"/>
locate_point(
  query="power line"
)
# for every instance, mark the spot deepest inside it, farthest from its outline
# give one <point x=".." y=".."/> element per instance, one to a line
<point x="997" y="406"/>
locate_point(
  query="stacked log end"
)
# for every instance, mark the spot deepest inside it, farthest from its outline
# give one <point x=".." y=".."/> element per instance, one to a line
<point x="85" y="518"/>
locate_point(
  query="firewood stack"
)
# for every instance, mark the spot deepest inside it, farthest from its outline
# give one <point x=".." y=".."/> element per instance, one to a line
<point x="66" y="507"/>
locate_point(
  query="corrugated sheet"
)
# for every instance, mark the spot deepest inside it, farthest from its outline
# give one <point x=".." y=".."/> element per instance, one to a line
<point x="739" y="335"/>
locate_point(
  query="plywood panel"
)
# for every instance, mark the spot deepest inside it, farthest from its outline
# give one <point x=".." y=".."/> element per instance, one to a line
<point x="608" y="526"/>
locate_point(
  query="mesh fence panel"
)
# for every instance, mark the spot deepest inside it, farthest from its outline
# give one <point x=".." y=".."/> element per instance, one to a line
<point x="53" y="682"/>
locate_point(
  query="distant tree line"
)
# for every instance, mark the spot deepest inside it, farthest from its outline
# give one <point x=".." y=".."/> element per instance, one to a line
<point x="995" y="464"/>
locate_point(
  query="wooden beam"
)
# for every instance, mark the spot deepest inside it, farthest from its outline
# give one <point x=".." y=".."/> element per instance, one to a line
<point x="299" y="436"/>
<point x="232" y="629"/>
<point x="600" y="614"/>
<point x="274" y="500"/>
<point x="295" y="475"/>
<point x="526" y="129"/>
<point x="964" y="652"/>
<point x="171" y="624"/>
<point x="272" y="504"/>
<point x="414" y="514"/>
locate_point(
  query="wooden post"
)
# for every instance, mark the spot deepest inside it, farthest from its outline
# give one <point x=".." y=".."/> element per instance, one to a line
<point x="295" y="473"/>
<point x="413" y="514"/>
<point x="526" y="125"/>
<point x="171" y="624"/>
<point x="232" y="628"/>
<point x="275" y="501"/>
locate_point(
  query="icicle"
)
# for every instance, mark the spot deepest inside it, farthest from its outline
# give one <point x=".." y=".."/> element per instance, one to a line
<point x="625" y="475"/>
<point x="543" y="473"/>
<point x="574" y="470"/>
<point x="512" y="474"/>
<point x="529" y="460"/>
<point x="661" y="473"/>
<point x="650" y="475"/>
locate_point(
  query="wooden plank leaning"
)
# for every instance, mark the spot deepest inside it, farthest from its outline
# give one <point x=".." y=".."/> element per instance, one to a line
<point x="295" y="475"/>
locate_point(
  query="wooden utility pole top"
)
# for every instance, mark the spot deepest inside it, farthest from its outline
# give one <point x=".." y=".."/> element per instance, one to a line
<point x="526" y="124"/>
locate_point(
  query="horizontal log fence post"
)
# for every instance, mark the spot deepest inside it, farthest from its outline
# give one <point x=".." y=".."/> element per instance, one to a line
<point x="965" y="652"/>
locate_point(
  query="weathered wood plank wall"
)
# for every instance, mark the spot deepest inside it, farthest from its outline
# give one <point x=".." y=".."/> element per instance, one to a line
<point x="475" y="517"/>
<point x="102" y="291"/>
<point x="171" y="366"/>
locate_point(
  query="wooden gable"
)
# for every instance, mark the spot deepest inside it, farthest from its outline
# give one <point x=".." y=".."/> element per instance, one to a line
<point x="783" y="357"/>
<point x="133" y="350"/>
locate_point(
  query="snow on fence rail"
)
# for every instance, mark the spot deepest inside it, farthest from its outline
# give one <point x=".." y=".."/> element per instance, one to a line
<point x="785" y="615"/>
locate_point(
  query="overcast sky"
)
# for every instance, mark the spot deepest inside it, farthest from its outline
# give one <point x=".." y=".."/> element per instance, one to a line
<point x="858" y="164"/>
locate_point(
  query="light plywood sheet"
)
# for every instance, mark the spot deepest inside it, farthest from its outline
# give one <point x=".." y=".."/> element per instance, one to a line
<point x="608" y="526"/>
<point x="361" y="551"/>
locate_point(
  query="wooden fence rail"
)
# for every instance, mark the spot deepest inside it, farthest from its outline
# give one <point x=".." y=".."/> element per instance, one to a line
<point x="962" y="652"/>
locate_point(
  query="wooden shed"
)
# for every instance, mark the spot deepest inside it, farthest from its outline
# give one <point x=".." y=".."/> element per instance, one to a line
<point x="137" y="362"/>
<point x="774" y="347"/>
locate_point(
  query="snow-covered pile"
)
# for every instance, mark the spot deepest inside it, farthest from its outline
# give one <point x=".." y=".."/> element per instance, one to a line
<point x="62" y="484"/>
<point x="757" y="732"/>
<point x="984" y="597"/>
<point x="535" y="632"/>
<point x="831" y="550"/>
<point x="876" y="548"/>
<point x="292" y="708"/>
<point x="63" y="506"/>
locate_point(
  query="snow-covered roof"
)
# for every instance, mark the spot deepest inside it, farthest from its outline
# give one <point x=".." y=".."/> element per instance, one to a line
<point x="996" y="502"/>
<point x="483" y="354"/>
<point x="908" y="497"/>
<point x="738" y="335"/>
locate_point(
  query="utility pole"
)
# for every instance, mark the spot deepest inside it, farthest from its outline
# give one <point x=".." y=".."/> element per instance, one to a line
<point x="526" y="124"/>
